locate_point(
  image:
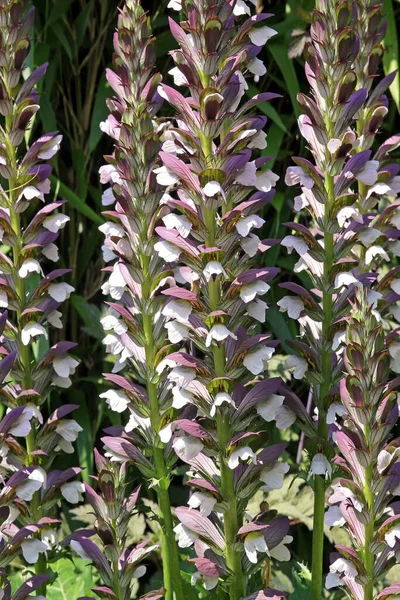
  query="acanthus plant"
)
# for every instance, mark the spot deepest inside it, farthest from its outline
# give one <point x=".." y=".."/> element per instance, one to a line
<point x="135" y="323"/>
<point x="215" y="188"/>
<point x="29" y="300"/>
<point x="338" y="193"/>
<point x="363" y="496"/>
<point x="115" y="560"/>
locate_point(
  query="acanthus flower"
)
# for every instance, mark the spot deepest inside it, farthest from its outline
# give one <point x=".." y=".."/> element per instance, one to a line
<point x="213" y="180"/>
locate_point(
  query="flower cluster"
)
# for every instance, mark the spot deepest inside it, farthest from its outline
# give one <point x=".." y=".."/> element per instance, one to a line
<point x="214" y="189"/>
<point x="362" y="497"/>
<point x="29" y="301"/>
<point x="117" y="563"/>
<point x="349" y="230"/>
<point x="138" y="276"/>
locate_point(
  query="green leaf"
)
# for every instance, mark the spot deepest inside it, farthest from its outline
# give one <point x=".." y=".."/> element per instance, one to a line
<point x="100" y="112"/>
<point x="274" y="139"/>
<point x="267" y="108"/>
<point x="75" y="579"/>
<point x="59" y="10"/>
<point x="81" y="24"/>
<point x="391" y="54"/>
<point x="63" y="36"/>
<point x="90" y="315"/>
<point x="280" y="55"/>
<point x="76" y="201"/>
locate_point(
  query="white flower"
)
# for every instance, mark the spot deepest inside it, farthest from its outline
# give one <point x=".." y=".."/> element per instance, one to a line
<point x="30" y="265"/>
<point x="300" y="202"/>
<point x="219" y="332"/>
<point x="341" y="565"/>
<point x="108" y="198"/>
<point x="31" y="550"/>
<point x="393" y="536"/>
<point x="60" y="291"/>
<point x="348" y="214"/>
<point x="245" y="224"/>
<point x="257" y="310"/>
<point x="116" y="284"/>
<point x="181" y="376"/>
<point x="266" y="180"/>
<point x="220" y="398"/>
<point x="111" y="229"/>
<point x="256" y="361"/>
<point x="257" y="67"/>
<point x="55" y="222"/>
<point x="187" y="447"/>
<point x="68" y="429"/>
<point x="369" y="173"/>
<point x="267" y="409"/>
<point x="280" y="552"/>
<point x="32" y="330"/>
<point x="338" y="340"/>
<point x="186" y="537"/>
<point x="272" y="476"/>
<point x="254" y="542"/>
<point x="179" y="78"/>
<point x="374" y="251"/>
<point x="205" y="502"/>
<point x="285" y="417"/>
<point x="333" y="517"/>
<point x="167" y="251"/>
<point x="72" y="491"/>
<point x="373" y="297"/>
<point x="300" y="366"/>
<point x="293" y="305"/>
<point x="384" y="460"/>
<point x="177" y="332"/>
<point x="212" y="188"/>
<point x="214" y="268"/>
<point x="345" y="280"/>
<point x="320" y="465"/>
<point x="249" y="291"/>
<point x="136" y="421"/>
<point x="49" y="149"/>
<point x="334" y="145"/>
<point x="295" y="175"/>
<point x="54" y="319"/>
<point x="3" y="299"/>
<point x="250" y="244"/>
<point x="112" y="323"/>
<point x="22" y="426"/>
<point x="335" y="409"/>
<point x="177" y="309"/>
<point x="259" y="141"/>
<point x="32" y="484"/>
<point x="165" y="434"/>
<point x="64" y="366"/>
<point x="261" y="35"/>
<point x="241" y="454"/>
<point x="209" y="583"/>
<point x="395" y="285"/>
<point x="292" y="242"/>
<point x="240" y="8"/>
<point x="165" y="177"/>
<point x="181" y="397"/>
<point x="117" y="400"/>
<point x="51" y="252"/>
<point x="178" y="222"/>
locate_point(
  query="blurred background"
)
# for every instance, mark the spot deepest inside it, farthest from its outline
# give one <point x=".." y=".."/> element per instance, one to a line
<point x="75" y="36"/>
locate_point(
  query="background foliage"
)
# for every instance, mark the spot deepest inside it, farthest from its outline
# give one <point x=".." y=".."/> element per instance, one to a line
<point x="75" y="36"/>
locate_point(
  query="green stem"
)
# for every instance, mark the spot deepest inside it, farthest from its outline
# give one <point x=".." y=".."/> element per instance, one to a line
<point x="171" y="566"/>
<point x="326" y="371"/>
<point x="369" y="557"/>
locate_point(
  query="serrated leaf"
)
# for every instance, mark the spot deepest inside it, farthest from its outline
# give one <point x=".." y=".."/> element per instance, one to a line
<point x="74" y="579"/>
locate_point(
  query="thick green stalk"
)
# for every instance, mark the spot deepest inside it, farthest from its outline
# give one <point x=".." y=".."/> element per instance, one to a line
<point x="170" y="554"/>
<point x="326" y="372"/>
<point x="369" y="557"/>
<point x="232" y="518"/>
